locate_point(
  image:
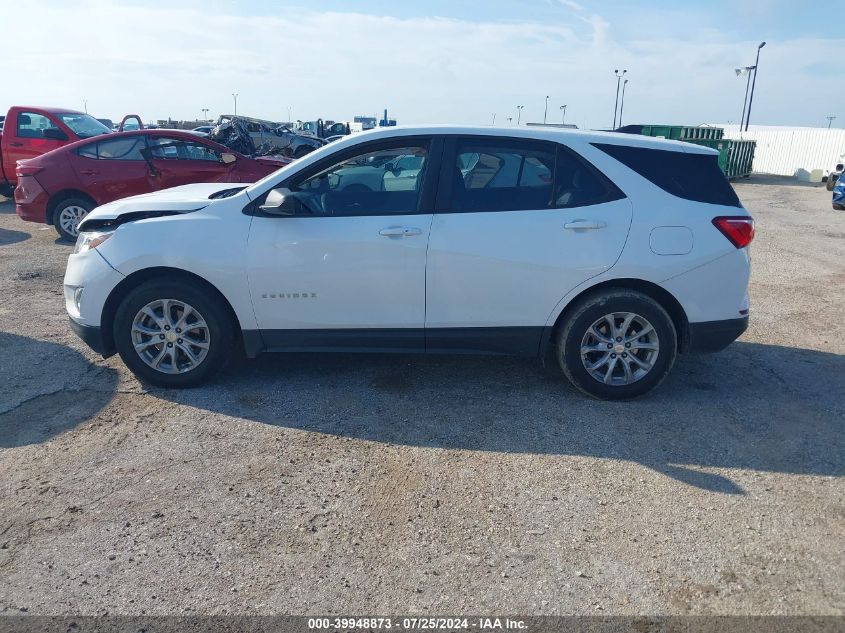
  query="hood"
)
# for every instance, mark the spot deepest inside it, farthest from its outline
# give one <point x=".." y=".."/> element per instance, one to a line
<point x="174" y="200"/>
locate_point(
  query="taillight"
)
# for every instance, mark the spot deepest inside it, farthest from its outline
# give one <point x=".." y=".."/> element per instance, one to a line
<point x="739" y="229"/>
<point x="23" y="169"/>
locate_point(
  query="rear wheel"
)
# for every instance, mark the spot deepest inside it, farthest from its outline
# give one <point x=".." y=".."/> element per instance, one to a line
<point x="172" y="334"/>
<point x="68" y="214"/>
<point x="617" y="345"/>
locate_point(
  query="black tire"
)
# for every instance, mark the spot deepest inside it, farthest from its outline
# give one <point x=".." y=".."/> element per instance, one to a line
<point x="221" y="331"/>
<point x="585" y="313"/>
<point x="302" y="150"/>
<point x="64" y="204"/>
<point x="831" y="183"/>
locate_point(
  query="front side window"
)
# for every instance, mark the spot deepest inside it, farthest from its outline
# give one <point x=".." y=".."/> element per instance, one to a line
<point x="375" y="182"/>
<point x="165" y="148"/>
<point x="31" y="125"/>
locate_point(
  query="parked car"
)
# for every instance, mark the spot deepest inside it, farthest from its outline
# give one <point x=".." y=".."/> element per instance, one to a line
<point x="615" y="254"/>
<point x="834" y="176"/>
<point x="839" y="194"/>
<point x="36" y="131"/>
<point x="203" y="130"/>
<point x="260" y="137"/>
<point x="61" y="187"/>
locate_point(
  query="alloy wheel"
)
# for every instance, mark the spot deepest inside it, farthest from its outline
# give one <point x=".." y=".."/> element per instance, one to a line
<point x="619" y="348"/>
<point x="170" y="336"/>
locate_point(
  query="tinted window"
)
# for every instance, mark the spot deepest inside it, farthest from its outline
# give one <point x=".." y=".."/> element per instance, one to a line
<point x="496" y="175"/>
<point x="376" y="182"/>
<point x="489" y="175"/>
<point x="690" y="176"/>
<point x="31" y="125"/>
<point x="128" y="148"/>
<point x="578" y="183"/>
<point x="162" y="147"/>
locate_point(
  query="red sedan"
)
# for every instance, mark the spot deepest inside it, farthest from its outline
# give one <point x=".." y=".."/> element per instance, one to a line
<point x="62" y="186"/>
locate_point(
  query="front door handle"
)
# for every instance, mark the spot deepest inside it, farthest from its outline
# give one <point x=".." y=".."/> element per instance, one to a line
<point x="584" y="225"/>
<point x="400" y="231"/>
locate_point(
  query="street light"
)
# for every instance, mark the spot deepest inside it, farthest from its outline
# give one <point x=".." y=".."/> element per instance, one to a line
<point x="563" y="115"/>
<point x="85" y="105"/>
<point x="616" y="103"/>
<point x="510" y="118"/>
<point x="546" y="110"/>
<point x="205" y="114"/>
<point x="829" y="120"/>
<point x="235" y="97"/>
<point x="519" y="113"/>
<point x="494" y="118"/>
<point x="622" y="105"/>
<point x="753" y="83"/>
<point x="747" y="71"/>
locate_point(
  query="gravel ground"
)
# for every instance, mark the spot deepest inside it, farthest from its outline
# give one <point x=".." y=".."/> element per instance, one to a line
<point x="365" y="484"/>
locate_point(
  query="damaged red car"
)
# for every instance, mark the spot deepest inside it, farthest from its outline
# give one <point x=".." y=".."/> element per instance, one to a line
<point x="64" y="185"/>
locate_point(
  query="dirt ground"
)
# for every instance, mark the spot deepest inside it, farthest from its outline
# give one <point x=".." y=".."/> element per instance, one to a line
<point x="432" y="485"/>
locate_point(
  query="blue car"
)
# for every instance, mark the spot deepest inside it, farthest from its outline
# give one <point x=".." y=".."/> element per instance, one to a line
<point x="839" y="194"/>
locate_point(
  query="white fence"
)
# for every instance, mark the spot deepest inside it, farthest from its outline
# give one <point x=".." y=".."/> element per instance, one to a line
<point x="792" y="151"/>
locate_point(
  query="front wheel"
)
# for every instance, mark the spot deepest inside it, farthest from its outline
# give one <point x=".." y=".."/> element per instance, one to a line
<point x="172" y="334"/>
<point x="617" y="345"/>
<point x="68" y="214"/>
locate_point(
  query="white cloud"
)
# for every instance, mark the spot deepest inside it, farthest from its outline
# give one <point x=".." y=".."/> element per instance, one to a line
<point x="174" y="62"/>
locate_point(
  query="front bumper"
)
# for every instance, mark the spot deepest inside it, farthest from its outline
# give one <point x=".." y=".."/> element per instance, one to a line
<point x="712" y="336"/>
<point x="92" y="335"/>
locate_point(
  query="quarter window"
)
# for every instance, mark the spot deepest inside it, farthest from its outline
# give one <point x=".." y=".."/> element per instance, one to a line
<point x="377" y="182"/>
<point x="691" y="176"/>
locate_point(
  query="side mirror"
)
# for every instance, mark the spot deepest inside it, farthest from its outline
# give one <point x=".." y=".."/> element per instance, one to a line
<point x="280" y="202"/>
<point x="227" y="158"/>
<point x="54" y="134"/>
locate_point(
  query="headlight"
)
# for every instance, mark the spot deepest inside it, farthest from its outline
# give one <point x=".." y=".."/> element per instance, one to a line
<point x="89" y="240"/>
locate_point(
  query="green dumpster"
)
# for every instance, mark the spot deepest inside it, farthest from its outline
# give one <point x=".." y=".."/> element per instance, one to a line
<point x="682" y="132"/>
<point x="736" y="157"/>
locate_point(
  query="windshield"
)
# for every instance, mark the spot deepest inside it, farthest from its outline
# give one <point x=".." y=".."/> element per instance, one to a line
<point x="84" y="125"/>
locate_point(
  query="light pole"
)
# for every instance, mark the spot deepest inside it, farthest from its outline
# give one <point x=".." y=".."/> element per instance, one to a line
<point x="85" y="105"/>
<point x="622" y="104"/>
<point x="753" y="83"/>
<point x="494" y="118"/>
<point x="546" y="110"/>
<point x="616" y="103"/>
<point x="205" y="114"/>
<point x="747" y="70"/>
<point x="235" y="97"/>
<point x="519" y="113"/>
<point x="563" y="115"/>
<point x="510" y="118"/>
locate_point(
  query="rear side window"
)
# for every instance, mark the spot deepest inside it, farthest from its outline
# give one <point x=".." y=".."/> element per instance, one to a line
<point x="514" y="175"/>
<point x="694" y="177"/>
<point x="31" y="125"/>
<point x="128" y="148"/>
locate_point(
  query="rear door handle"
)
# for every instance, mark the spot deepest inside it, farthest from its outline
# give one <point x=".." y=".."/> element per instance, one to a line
<point x="584" y="225"/>
<point x="400" y="231"/>
<point x="88" y="172"/>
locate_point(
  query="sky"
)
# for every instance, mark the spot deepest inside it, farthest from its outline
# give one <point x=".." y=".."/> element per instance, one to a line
<point x="436" y="61"/>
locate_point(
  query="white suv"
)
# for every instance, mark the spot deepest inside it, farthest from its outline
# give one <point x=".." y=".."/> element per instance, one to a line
<point x="610" y="253"/>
